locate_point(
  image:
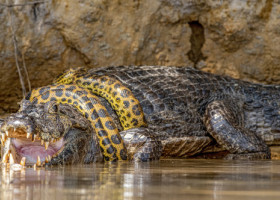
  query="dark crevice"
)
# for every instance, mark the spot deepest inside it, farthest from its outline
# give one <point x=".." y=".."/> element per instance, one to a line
<point x="35" y="11"/>
<point x="197" y="40"/>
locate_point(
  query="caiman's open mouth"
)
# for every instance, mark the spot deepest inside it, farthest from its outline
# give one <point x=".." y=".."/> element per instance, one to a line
<point x="28" y="151"/>
<point x="38" y="136"/>
<point x="34" y="150"/>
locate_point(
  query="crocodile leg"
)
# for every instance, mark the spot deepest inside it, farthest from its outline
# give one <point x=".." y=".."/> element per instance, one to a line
<point x="224" y="122"/>
<point x="142" y="144"/>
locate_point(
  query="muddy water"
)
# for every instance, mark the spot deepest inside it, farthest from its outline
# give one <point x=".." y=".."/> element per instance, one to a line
<point x="166" y="179"/>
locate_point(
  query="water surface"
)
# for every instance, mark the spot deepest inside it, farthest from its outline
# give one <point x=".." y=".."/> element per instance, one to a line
<point x="165" y="179"/>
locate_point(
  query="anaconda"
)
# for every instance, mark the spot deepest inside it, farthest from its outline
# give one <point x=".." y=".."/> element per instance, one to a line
<point x="110" y="140"/>
<point x="120" y="97"/>
<point x="192" y="112"/>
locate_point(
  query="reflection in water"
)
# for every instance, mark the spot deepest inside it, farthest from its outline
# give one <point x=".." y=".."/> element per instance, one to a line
<point x="166" y="179"/>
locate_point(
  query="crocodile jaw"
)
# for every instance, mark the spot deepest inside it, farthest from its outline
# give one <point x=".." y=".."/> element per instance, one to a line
<point x="32" y="150"/>
<point x="34" y="133"/>
<point x="19" y="140"/>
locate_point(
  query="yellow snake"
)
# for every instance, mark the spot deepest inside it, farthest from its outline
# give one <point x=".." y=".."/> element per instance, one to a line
<point x="119" y="96"/>
<point x="111" y="143"/>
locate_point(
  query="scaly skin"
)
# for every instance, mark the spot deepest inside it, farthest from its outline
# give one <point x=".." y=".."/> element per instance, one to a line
<point x="52" y="121"/>
<point x="178" y="107"/>
<point x="89" y="105"/>
<point x="120" y="97"/>
<point x="194" y="112"/>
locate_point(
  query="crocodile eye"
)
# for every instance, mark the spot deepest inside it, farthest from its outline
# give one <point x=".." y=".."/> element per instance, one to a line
<point x="51" y="107"/>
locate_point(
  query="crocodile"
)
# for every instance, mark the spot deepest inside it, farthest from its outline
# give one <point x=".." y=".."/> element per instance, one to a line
<point x="188" y="112"/>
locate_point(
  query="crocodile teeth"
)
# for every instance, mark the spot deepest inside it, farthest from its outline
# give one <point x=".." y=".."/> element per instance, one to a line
<point x="38" y="163"/>
<point x="5" y="157"/>
<point x="46" y="145"/>
<point x="11" y="159"/>
<point x="49" y="158"/>
<point x="22" y="162"/>
<point x="42" y="142"/>
<point x="4" y="137"/>
<point x="33" y="138"/>
<point x="7" y="133"/>
<point x="28" y="135"/>
<point x="46" y="159"/>
<point x="34" y="166"/>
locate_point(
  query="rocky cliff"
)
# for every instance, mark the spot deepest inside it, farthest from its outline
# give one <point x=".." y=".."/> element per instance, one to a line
<point x="239" y="38"/>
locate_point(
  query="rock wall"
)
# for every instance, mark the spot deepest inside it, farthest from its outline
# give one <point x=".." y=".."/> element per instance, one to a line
<point x="239" y="38"/>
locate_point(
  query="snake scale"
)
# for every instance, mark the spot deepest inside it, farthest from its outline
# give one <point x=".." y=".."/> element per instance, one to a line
<point x="89" y="105"/>
<point x="120" y="98"/>
<point x="189" y="111"/>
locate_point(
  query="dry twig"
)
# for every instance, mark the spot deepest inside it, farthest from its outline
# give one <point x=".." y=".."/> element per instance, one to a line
<point x="16" y="54"/>
<point x="16" y="50"/>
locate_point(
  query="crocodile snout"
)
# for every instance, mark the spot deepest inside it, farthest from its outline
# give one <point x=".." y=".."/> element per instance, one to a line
<point x="17" y="125"/>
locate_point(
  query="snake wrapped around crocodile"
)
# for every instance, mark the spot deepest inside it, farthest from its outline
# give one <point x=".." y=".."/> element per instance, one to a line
<point x="182" y="112"/>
